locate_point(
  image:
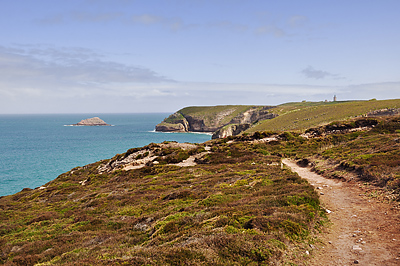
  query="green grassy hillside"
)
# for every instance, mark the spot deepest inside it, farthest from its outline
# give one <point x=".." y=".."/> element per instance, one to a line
<point x="300" y="116"/>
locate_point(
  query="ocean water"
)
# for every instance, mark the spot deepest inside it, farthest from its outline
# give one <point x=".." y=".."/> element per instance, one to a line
<point x="35" y="149"/>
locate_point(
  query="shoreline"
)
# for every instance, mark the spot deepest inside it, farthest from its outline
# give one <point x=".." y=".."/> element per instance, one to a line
<point x="75" y="125"/>
<point x="193" y="132"/>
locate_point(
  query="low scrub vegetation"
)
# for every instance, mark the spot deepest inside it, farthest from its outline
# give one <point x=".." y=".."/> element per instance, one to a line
<point x="237" y="206"/>
<point x="366" y="148"/>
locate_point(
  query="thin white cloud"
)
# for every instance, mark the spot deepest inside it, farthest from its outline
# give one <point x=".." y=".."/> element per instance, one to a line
<point x="297" y="21"/>
<point x="228" y="25"/>
<point x="57" y="80"/>
<point x="147" y="19"/>
<point x="80" y="16"/>
<point x="51" y="79"/>
<point x="313" y="73"/>
<point x="51" y="20"/>
<point x="286" y="28"/>
<point x="272" y="30"/>
<point x="174" y="23"/>
<point x="62" y="54"/>
<point x="95" y="17"/>
<point x="382" y="90"/>
<point x="72" y="65"/>
<point x="255" y="91"/>
<point x="170" y="96"/>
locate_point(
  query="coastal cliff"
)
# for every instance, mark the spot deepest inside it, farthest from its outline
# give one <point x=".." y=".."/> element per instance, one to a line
<point x="222" y="121"/>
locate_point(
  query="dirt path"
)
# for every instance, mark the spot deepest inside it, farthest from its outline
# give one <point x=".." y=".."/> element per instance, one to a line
<point x="363" y="231"/>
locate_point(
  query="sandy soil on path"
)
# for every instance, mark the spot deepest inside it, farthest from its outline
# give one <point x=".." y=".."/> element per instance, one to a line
<point x="363" y="230"/>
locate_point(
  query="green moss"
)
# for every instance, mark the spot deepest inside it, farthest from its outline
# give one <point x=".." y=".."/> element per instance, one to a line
<point x="217" y="199"/>
<point x="232" y="230"/>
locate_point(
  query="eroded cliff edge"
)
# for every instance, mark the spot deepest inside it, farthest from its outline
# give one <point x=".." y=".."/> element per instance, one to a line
<point x="221" y="121"/>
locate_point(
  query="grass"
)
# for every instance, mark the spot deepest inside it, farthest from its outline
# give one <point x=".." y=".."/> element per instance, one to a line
<point x="301" y="116"/>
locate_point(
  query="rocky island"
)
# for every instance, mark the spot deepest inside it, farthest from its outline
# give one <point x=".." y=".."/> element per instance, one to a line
<point x="94" y="121"/>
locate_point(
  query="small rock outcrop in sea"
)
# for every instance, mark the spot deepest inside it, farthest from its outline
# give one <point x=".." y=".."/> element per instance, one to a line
<point x="94" y="121"/>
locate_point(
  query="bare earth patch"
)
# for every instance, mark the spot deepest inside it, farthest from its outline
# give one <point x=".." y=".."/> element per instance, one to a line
<point x="364" y="231"/>
<point x="191" y="160"/>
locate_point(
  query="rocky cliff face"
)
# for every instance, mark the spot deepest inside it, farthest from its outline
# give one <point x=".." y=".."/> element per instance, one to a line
<point x="230" y="130"/>
<point x="174" y="123"/>
<point x="165" y="127"/>
<point x="197" y="124"/>
<point x="253" y="115"/>
<point x="226" y="122"/>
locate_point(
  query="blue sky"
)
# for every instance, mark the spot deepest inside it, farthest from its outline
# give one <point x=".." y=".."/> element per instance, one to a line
<point x="116" y="56"/>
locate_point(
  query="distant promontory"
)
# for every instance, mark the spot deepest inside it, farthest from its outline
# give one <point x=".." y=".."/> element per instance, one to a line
<point x="232" y="120"/>
<point x="221" y="121"/>
<point x="94" y="121"/>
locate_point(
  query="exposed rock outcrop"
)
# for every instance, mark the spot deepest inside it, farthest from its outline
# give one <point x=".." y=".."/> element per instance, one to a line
<point x="341" y="127"/>
<point x="174" y="123"/>
<point x="230" y="130"/>
<point x="173" y="153"/>
<point x="94" y="121"/>
<point x="384" y="112"/>
<point x="168" y="127"/>
<point x="253" y="116"/>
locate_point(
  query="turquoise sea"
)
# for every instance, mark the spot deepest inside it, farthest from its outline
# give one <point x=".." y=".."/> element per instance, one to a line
<point x="35" y="149"/>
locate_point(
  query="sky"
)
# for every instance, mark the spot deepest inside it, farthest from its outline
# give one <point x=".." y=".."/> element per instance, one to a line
<point x="140" y="56"/>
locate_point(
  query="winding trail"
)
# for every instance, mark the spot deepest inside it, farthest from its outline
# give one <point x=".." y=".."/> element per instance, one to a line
<point x="364" y="231"/>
